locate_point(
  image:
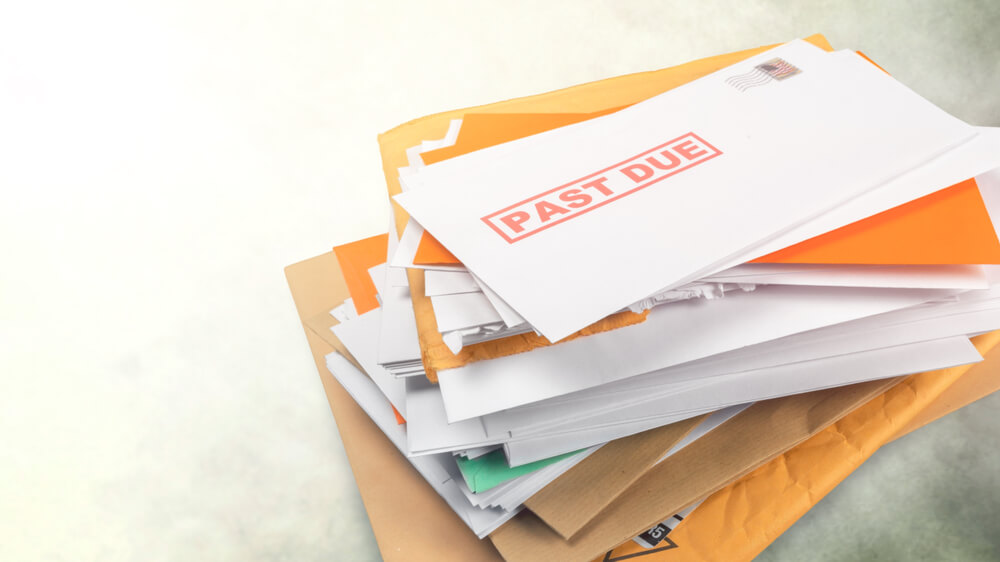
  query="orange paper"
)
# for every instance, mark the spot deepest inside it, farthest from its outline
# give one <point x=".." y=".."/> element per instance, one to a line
<point x="399" y="417"/>
<point x="950" y="226"/>
<point x="356" y="258"/>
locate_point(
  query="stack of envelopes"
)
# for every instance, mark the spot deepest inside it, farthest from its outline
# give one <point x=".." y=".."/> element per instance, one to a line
<point x="596" y="307"/>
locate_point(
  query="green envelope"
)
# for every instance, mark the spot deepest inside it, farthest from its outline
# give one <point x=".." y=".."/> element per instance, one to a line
<point x="491" y="469"/>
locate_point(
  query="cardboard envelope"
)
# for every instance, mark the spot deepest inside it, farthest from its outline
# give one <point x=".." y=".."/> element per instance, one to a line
<point x="411" y="522"/>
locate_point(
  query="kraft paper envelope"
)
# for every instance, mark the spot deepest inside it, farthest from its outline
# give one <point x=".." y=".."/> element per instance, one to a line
<point x="596" y="485"/>
<point x="584" y="98"/>
<point x="762" y="431"/>
<point x="589" y="486"/>
<point x="392" y="491"/>
<point x="498" y="211"/>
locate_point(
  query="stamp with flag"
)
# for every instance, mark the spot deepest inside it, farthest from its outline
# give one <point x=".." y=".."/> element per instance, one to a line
<point x="765" y="72"/>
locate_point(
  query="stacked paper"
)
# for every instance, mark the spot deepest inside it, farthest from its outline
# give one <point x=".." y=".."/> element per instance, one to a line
<point x="754" y="249"/>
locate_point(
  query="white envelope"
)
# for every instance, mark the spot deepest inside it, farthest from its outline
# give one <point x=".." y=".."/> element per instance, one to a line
<point x="429" y="432"/>
<point x="765" y="384"/>
<point x="739" y="172"/>
<point x="892" y="329"/>
<point x="523" y="451"/>
<point x="671" y="334"/>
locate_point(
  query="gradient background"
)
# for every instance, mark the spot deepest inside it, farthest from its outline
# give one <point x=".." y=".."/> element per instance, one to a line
<point x="161" y="162"/>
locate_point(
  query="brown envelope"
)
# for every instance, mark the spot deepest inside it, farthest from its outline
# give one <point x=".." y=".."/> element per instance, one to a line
<point x="734" y="449"/>
<point x="572" y="500"/>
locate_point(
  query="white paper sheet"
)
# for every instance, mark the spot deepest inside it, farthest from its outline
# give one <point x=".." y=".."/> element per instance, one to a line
<point x="430" y="433"/>
<point x="361" y="336"/>
<point x="509" y="316"/>
<point x="765" y="384"/>
<point x="377" y="274"/>
<point x="398" y="343"/>
<point x="437" y="283"/>
<point x="462" y="311"/>
<point x="957" y="319"/>
<point x="671" y="334"/>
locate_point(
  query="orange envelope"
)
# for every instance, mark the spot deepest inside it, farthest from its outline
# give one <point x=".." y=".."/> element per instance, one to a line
<point x="355" y="259"/>
<point x="951" y="226"/>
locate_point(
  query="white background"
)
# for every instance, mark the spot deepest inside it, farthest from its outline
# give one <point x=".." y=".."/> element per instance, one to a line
<point x="161" y="162"/>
